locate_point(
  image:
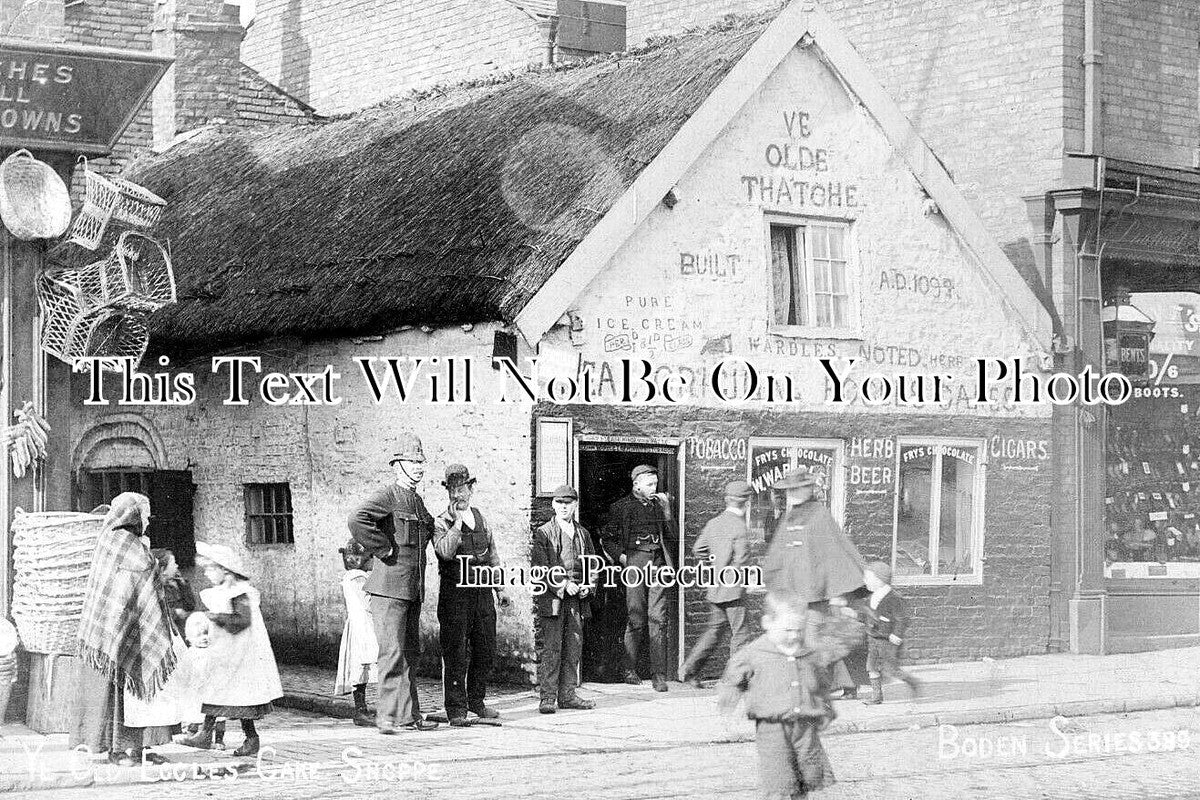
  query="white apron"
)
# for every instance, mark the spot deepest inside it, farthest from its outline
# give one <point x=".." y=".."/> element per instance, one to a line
<point x="359" y="651"/>
<point x="162" y="709"/>
<point x="239" y="668"/>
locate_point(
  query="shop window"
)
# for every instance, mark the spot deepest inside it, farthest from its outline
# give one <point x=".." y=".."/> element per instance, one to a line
<point x="269" y="513"/>
<point x="938" y="532"/>
<point x="768" y="460"/>
<point x="1152" y="497"/>
<point x="811" y="280"/>
<point x="170" y="492"/>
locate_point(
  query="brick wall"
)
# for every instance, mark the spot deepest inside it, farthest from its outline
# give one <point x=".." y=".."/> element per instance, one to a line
<point x="261" y="102"/>
<point x="331" y="456"/>
<point x="1007" y="615"/>
<point x="1151" y="73"/>
<point x="341" y="56"/>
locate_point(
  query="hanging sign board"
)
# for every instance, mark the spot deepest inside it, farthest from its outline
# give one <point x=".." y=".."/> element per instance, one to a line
<point x="73" y="99"/>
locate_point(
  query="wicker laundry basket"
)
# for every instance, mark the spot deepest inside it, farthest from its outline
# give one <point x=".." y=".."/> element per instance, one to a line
<point x="34" y="201"/>
<point x="52" y="557"/>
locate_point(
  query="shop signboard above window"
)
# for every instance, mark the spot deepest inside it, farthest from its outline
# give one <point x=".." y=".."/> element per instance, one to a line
<point x="73" y="99"/>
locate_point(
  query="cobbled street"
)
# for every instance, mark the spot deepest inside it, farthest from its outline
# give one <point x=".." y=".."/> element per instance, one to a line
<point x="1069" y="758"/>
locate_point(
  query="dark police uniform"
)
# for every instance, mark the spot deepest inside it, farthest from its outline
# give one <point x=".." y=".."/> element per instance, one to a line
<point x="395" y="528"/>
<point x="639" y="529"/>
<point x="466" y="615"/>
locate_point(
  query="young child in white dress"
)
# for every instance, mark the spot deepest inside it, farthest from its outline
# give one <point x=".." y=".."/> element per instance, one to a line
<point x="198" y="632"/>
<point x="359" y="649"/>
<point x="241" y="679"/>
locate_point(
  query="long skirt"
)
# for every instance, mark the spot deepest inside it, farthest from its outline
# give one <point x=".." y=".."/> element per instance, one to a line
<point x="99" y="712"/>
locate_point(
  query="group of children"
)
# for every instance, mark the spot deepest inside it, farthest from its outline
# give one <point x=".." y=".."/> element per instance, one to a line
<point x="226" y="668"/>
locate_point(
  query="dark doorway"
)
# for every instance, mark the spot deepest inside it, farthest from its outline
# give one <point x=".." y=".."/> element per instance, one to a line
<point x="604" y="478"/>
<point x="170" y="493"/>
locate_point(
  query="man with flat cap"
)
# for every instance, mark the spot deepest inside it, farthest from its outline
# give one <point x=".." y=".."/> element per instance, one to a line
<point x="641" y="533"/>
<point x="394" y="528"/>
<point x="810" y="555"/>
<point x="561" y="608"/>
<point x="466" y="614"/>
<point x="724" y="542"/>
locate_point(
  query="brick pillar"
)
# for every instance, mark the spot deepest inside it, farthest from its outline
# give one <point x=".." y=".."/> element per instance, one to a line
<point x="205" y="39"/>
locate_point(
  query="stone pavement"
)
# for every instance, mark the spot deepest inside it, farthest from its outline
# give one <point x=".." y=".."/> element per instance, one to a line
<point x="629" y="718"/>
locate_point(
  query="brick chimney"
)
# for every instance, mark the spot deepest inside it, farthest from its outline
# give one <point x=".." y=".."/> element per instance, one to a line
<point x="205" y="39"/>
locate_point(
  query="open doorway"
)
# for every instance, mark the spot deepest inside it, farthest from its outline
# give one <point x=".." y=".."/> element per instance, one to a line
<point x="604" y="478"/>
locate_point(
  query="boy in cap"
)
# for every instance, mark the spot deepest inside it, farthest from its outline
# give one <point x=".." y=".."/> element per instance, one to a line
<point x="466" y="614"/>
<point x="640" y="533"/>
<point x="782" y="676"/>
<point x="886" y="616"/>
<point x="394" y="527"/>
<point x="560" y="610"/>
<point x="724" y="542"/>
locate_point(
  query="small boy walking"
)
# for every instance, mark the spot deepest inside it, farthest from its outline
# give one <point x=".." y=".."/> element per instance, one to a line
<point x="887" y="618"/>
<point x="783" y="677"/>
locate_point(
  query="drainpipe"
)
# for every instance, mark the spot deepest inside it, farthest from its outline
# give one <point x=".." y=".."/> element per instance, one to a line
<point x="549" y="28"/>
<point x="1092" y="58"/>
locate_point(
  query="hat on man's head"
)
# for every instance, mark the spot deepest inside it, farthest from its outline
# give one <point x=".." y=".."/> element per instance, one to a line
<point x="642" y="469"/>
<point x="408" y="448"/>
<point x="567" y="492"/>
<point x="457" y="475"/>
<point x="223" y="556"/>
<point x="882" y="571"/>
<point x="739" y="489"/>
<point x="800" y="476"/>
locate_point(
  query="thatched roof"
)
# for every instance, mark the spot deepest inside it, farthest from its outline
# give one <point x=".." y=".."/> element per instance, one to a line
<point x="448" y="208"/>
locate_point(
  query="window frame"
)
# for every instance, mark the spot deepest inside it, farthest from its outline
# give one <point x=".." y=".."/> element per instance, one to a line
<point x="852" y="329"/>
<point x="835" y="499"/>
<point x="978" y="515"/>
<point x="275" y="516"/>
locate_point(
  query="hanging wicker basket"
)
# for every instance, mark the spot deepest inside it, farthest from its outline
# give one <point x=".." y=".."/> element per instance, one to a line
<point x="34" y="201"/>
<point x="135" y="275"/>
<point x="48" y="587"/>
<point x="100" y="197"/>
<point x="73" y="329"/>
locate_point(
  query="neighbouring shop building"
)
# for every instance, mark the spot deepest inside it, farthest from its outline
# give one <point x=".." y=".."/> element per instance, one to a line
<point x="748" y="194"/>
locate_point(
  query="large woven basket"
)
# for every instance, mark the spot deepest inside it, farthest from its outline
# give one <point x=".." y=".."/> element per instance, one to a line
<point x="52" y="557"/>
<point x="34" y="201"/>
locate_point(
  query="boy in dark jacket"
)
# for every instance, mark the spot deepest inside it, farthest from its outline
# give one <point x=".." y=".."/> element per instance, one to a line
<point x="886" y="616"/>
<point x="782" y="675"/>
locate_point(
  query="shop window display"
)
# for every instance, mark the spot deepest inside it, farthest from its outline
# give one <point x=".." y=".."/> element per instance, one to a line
<point x="1152" y="499"/>
<point x="939" y="510"/>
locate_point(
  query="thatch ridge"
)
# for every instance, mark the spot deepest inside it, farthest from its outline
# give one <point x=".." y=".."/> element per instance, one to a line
<point x="447" y="206"/>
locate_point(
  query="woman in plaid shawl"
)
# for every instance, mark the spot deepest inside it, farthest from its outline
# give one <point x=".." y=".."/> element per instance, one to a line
<point x="124" y="637"/>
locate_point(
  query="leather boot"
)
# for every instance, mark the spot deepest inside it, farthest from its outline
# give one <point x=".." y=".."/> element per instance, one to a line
<point x="362" y="715"/>
<point x="202" y="738"/>
<point x="876" y="692"/>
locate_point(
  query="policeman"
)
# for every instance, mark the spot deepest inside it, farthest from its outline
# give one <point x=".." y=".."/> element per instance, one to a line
<point x="466" y="614"/>
<point x="394" y="528"/>
<point x="641" y="533"/>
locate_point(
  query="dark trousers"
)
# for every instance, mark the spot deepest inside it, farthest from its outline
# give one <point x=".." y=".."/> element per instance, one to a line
<point x="883" y="659"/>
<point x="467" y="619"/>
<point x="791" y="760"/>
<point x="398" y="630"/>
<point x="720" y="615"/>
<point x="562" y="647"/>
<point x="646" y="604"/>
